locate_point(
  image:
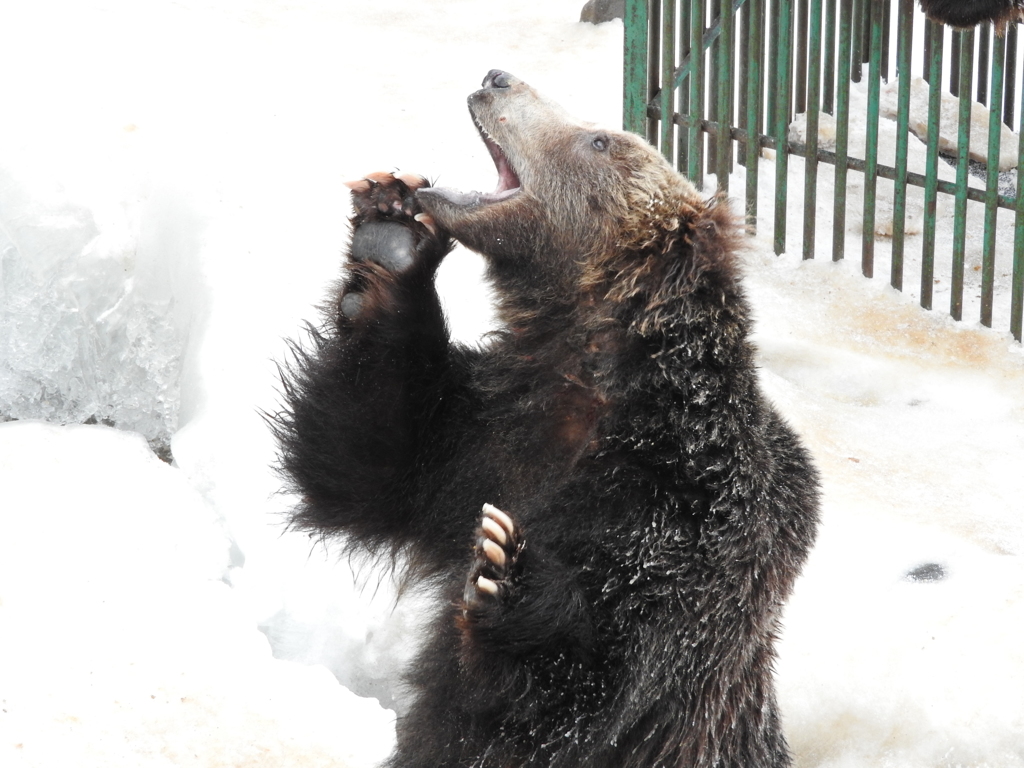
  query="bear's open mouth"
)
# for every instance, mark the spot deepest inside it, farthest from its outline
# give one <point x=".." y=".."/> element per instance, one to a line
<point x="509" y="184"/>
<point x="508" y="180"/>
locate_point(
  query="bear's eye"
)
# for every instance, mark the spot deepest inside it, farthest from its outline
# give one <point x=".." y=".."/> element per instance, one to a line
<point x="600" y="142"/>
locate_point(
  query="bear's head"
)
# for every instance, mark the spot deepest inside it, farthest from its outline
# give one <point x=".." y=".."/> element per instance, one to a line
<point x="568" y="193"/>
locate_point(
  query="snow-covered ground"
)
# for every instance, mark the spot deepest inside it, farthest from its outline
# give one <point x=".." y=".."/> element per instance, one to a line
<point x="171" y="209"/>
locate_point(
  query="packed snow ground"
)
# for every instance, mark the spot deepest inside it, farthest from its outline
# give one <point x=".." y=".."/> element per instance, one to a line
<point x="170" y="190"/>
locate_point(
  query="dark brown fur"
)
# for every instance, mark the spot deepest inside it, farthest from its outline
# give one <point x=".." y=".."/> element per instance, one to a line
<point x="969" y="13"/>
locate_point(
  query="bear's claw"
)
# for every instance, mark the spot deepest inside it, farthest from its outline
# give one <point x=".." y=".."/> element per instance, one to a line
<point x="497" y="546"/>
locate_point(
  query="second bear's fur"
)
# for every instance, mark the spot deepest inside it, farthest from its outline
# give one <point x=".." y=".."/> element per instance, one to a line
<point x="617" y="606"/>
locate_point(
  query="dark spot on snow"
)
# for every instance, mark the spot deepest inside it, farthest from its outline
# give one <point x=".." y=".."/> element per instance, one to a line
<point x="927" y="572"/>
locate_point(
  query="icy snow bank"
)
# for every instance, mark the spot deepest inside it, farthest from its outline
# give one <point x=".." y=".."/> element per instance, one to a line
<point x="120" y="646"/>
<point x="95" y="309"/>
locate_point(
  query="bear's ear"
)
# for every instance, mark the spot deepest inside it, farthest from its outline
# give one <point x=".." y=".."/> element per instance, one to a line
<point x="691" y="270"/>
<point x="710" y="238"/>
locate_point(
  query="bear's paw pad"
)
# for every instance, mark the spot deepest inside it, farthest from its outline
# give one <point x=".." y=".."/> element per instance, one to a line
<point x="387" y="243"/>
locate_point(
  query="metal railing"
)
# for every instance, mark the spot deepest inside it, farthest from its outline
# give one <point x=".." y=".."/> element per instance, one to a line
<point x="722" y="85"/>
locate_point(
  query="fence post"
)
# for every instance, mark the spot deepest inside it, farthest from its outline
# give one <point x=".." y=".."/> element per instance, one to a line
<point x="635" y="96"/>
<point x="755" y="92"/>
<point x="782" y="118"/>
<point x="966" y="60"/>
<point x="1017" y="291"/>
<point x="988" y="266"/>
<point x="842" y="129"/>
<point x="828" y="97"/>
<point x="933" y="67"/>
<point x="874" y="12"/>
<point x="723" y="111"/>
<point x="695" y="154"/>
<point x="812" y="108"/>
<point x="904" y="42"/>
<point x="668" y="51"/>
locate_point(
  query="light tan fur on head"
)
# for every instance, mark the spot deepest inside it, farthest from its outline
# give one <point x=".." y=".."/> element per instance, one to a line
<point x="580" y="211"/>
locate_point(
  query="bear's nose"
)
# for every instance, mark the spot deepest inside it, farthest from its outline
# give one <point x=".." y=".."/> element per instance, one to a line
<point x="496" y="79"/>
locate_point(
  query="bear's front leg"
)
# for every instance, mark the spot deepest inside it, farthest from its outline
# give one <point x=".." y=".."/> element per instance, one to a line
<point x="369" y="406"/>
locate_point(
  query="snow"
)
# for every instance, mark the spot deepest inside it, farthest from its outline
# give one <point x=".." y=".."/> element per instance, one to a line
<point x="948" y="122"/>
<point x="171" y="209"/>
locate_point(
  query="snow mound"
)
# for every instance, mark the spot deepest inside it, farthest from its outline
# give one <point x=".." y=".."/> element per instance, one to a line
<point x="89" y="328"/>
<point x="119" y="643"/>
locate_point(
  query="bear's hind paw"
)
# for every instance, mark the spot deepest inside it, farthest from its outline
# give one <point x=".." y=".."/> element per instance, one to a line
<point x="497" y="546"/>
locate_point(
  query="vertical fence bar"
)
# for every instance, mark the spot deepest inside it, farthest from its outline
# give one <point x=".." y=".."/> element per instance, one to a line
<point x="668" y="65"/>
<point x="683" y="134"/>
<point x="653" y="71"/>
<point x="995" y="125"/>
<point x="743" y="53"/>
<point x="867" y="261"/>
<point x="984" y="34"/>
<point x="800" y="61"/>
<point x="773" y="57"/>
<point x="933" y="66"/>
<point x="842" y="128"/>
<point x="755" y="92"/>
<point x="927" y="50"/>
<point x="954" y="62"/>
<point x="828" y="96"/>
<point x="781" y="128"/>
<point x="956" y="300"/>
<point x="634" y="81"/>
<point x="713" y="76"/>
<point x="904" y="44"/>
<point x="813" y="111"/>
<point x="1010" y="76"/>
<point x="726" y="57"/>
<point x="858" y="39"/>
<point x="886" y="9"/>
<point x="1017" y="289"/>
<point x="695" y="153"/>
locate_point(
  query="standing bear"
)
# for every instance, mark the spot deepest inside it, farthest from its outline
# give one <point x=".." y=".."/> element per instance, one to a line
<point x="611" y="512"/>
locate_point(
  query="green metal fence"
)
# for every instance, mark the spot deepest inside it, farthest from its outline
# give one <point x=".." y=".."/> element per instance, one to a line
<point x="756" y="87"/>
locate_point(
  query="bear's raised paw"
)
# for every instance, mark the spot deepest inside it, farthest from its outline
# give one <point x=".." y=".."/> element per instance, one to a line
<point x="390" y="231"/>
<point x="388" y="225"/>
<point x="497" y="547"/>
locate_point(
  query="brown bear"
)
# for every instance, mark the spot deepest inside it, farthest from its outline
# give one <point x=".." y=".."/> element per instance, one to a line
<point x="612" y="514"/>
